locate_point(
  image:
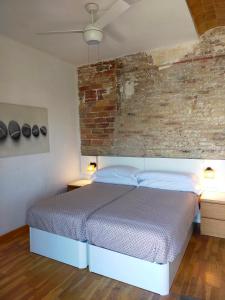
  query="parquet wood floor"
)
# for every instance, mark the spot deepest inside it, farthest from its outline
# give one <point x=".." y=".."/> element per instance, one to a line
<point x="27" y="276"/>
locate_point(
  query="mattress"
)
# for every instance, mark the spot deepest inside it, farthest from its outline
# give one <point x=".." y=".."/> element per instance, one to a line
<point x="149" y="224"/>
<point x="66" y="214"/>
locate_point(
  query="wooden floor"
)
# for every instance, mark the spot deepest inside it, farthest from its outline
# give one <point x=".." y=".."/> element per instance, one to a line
<point x="24" y="275"/>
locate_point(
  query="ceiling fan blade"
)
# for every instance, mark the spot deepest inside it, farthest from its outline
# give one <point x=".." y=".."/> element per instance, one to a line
<point x="115" y="35"/>
<point x="60" y="32"/>
<point x="117" y="9"/>
<point x="132" y="1"/>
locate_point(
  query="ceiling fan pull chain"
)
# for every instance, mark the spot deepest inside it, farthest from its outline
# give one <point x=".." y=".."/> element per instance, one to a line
<point x="88" y="54"/>
<point x="92" y="17"/>
<point x="98" y="52"/>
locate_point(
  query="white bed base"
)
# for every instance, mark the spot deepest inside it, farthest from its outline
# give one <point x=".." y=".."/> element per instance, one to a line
<point x="60" y="248"/>
<point x="153" y="277"/>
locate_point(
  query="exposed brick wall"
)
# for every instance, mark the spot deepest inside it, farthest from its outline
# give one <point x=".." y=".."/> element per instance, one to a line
<point x="146" y="105"/>
<point x="98" y="106"/>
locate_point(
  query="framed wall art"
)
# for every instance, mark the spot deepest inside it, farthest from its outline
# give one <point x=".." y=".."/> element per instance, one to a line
<point x="23" y="130"/>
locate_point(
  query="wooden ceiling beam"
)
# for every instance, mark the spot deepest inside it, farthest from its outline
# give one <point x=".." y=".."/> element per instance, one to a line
<point x="207" y="14"/>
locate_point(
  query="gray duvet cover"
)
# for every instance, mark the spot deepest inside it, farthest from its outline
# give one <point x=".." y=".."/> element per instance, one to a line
<point x="149" y="224"/>
<point x="66" y="214"/>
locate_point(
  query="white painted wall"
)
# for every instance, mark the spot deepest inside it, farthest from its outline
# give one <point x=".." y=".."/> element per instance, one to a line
<point x="30" y="77"/>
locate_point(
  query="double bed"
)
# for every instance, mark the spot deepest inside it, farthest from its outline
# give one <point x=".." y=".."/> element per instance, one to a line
<point x="134" y="234"/>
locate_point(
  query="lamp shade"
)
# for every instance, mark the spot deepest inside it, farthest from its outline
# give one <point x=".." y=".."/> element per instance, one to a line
<point x="209" y="173"/>
<point x="91" y="167"/>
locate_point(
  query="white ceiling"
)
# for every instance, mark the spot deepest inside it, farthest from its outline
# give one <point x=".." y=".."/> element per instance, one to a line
<point x="148" y="24"/>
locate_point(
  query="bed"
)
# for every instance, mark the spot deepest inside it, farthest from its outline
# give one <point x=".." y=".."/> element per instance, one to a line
<point x="58" y="225"/>
<point x="129" y="225"/>
<point x="146" y="233"/>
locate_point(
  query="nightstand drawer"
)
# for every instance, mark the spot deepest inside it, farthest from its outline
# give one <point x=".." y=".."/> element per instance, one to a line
<point x="213" y="210"/>
<point x="213" y="227"/>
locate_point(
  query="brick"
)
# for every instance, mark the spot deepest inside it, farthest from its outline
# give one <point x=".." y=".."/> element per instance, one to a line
<point x="84" y="88"/>
<point x="109" y="130"/>
<point x="98" y="109"/>
<point x="85" y="142"/>
<point x="84" y="131"/>
<point x="103" y="114"/>
<point x="105" y="102"/>
<point x="91" y="125"/>
<point x="111" y="119"/>
<point x="102" y="125"/>
<point x="98" y="131"/>
<point x="109" y="108"/>
<point x="100" y="120"/>
<point x="87" y="120"/>
<point x="97" y="142"/>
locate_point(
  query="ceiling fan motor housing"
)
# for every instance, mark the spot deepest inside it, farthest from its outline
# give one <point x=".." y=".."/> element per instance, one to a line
<point x="92" y="35"/>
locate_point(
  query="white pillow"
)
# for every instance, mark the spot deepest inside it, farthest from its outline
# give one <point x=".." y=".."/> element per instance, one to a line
<point x="170" y="181"/>
<point x="117" y="175"/>
<point x="116" y="180"/>
<point x="117" y="171"/>
<point x="144" y="175"/>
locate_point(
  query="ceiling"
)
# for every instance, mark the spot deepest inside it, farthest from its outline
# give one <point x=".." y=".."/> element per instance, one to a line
<point x="148" y="24"/>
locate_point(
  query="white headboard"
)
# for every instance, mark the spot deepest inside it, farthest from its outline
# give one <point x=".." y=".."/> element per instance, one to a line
<point x="166" y="164"/>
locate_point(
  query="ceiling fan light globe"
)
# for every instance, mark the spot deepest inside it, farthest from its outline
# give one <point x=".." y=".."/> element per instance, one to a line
<point x="92" y="35"/>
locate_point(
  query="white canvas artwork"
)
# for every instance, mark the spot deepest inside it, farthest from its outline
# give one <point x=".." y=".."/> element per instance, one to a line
<point x="23" y="130"/>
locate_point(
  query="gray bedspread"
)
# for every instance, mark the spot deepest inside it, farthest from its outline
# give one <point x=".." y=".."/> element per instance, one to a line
<point x="66" y="214"/>
<point x="149" y="224"/>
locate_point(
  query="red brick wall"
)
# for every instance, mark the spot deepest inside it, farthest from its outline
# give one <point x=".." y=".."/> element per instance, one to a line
<point x="98" y="106"/>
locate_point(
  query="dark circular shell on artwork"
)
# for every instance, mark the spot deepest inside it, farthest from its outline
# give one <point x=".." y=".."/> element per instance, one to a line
<point x="35" y="131"/>
<point x="43" y="130"/>
<point x="26" y="130"/>
<point x="14" y="130"/>
<point x="3" y="131"/>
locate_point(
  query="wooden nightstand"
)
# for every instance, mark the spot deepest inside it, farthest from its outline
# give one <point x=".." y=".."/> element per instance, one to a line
<point x="213" y="214"/>
<point x="77" y="184"/>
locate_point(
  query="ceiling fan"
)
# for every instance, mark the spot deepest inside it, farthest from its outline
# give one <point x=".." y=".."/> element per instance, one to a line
<point x="93" y="32"/>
